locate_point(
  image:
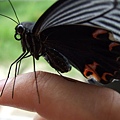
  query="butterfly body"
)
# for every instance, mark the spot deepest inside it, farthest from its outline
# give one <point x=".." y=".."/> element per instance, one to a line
<point x="37" y="47"/>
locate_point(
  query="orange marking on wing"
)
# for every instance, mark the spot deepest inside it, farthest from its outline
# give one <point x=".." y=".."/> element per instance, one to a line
<point x="98" y="32"/>
<point x="90" y="72"/>
<point x="112" y="45"/>
<point x="104" y="76"/>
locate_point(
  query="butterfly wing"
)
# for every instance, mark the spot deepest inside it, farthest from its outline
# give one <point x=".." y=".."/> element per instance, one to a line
<point x="89" y="49"/>
<point x="65" y="12"/>
<point x="94" y="57"/>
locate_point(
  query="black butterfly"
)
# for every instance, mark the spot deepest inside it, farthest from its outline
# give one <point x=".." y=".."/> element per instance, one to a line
<point x="76" y="33"/>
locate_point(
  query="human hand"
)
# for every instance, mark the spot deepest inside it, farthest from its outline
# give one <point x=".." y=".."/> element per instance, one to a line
<point x="61" y="99"/>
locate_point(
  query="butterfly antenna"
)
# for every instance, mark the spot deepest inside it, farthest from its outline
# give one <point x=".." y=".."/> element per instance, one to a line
<point x="9" y="18"/>
<point x="14" y="11"/>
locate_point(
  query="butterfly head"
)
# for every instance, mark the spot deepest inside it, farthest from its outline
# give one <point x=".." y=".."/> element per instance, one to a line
<point x="19" y="31"/>
<point x="22" y="29"/>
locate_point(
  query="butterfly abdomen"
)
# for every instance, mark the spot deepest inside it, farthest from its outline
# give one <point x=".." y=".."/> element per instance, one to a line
<point x="57" y="60"/>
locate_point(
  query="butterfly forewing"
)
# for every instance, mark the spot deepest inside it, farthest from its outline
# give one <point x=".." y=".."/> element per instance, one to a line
<point x="110" y="21"/>
<point x="72" y="12"/>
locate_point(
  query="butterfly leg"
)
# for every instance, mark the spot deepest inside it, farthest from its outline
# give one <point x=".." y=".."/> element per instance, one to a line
<point x="68" y="79"/>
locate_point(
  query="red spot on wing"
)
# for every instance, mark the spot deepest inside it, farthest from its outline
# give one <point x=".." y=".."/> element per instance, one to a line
<point x="112" y="45"/>
<point x="104" y="76"/>
<point x="98" y="32"/>
<point x="90" y="71"/>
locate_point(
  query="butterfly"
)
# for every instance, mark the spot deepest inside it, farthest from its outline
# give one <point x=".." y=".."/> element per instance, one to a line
<point x="78" y="33"/>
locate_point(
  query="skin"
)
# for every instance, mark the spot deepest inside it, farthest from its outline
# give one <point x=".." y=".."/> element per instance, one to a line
<point x="61" y="99"/>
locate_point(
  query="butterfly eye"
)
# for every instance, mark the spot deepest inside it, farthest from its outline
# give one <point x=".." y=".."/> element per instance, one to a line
<point x="19" y="31"/>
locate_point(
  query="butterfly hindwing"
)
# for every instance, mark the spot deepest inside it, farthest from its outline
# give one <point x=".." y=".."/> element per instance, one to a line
<point x="89" y="49"/>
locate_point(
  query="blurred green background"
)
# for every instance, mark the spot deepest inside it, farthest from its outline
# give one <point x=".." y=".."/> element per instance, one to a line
<point x="26" y="11"/>
<point x="10" y="49"/>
